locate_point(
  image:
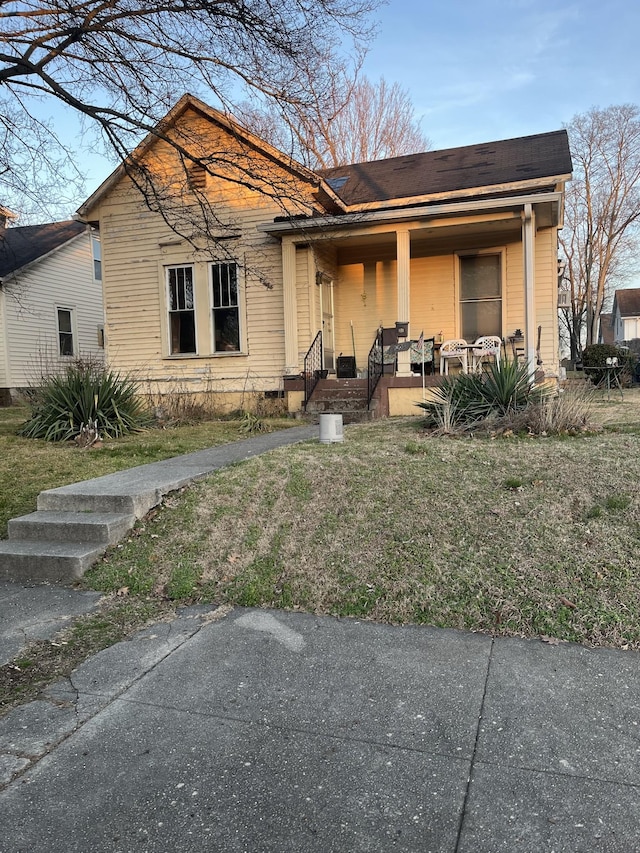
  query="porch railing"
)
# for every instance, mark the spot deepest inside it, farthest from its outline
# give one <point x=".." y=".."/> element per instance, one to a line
<point x="375" y="366"/>
<point x="312" y="367"/>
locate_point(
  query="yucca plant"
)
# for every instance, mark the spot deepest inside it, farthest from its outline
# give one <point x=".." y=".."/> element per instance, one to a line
<point x="85" y="395"/>
<point x="468" y="399"/>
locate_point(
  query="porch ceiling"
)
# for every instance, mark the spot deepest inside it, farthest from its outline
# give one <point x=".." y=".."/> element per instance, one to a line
<point x="428" y="238"/>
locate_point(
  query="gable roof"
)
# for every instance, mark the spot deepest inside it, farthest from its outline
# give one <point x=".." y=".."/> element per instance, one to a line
<point x="542" y="159"/>
<point x="229" y="123"/>
<point x="20" y="247"/>
<point x="628" y="301"/>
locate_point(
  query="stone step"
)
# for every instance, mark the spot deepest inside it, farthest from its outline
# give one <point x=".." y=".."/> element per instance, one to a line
<point x="335" y="407"/>
<point x="46" y="562"/>
<point x="88" y="527"/>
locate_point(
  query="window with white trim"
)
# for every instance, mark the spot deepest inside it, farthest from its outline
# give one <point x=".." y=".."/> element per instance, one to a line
<point x="181" y="307"/>
<point x="65" y="331"/>
<point x="480" y="296"/>
<point x="96" y="249"/>
<point x="226" y="307"/>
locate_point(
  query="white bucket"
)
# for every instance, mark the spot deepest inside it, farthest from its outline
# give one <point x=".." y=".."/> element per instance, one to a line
<point x="330" y="429"/>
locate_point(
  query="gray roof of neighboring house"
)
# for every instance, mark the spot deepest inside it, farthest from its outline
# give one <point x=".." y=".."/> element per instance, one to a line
<point x="20" y="247"/>
<point x="628" y="301"/>
<point x="526" y="158"/>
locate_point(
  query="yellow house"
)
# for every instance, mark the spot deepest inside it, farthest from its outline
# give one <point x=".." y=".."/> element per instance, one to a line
<point x="254" y="276"/>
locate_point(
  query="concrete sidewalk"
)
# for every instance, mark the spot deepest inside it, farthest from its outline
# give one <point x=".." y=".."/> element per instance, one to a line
<point x="259" y="731"/>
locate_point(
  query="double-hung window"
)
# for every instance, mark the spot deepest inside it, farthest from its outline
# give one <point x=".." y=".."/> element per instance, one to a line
<point x="480" y="296"/>
<point x="182" y="314"/>
<point x="97" y="256"/>
<point x="65" y="331"/>
<point x="226" y="307"/>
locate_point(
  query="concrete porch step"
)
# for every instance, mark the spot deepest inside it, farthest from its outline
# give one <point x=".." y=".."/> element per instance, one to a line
<point x="88" y="527"/>
<point x="46" y="562"/>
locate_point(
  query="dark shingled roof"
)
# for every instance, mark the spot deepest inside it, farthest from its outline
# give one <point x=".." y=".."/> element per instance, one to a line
<point x="22" y="246"/>
<point x="545" y="155"/>
<point x="628" y="301"/>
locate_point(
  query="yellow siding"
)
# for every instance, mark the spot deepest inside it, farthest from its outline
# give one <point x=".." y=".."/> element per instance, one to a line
<point x="138" y="245"/>
<point x="134" y="281"/>
<point x="366" y="294"/>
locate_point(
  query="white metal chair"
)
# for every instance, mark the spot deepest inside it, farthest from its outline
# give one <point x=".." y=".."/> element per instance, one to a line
<point x="455" y="348"/>
<point x="487" y="346"/>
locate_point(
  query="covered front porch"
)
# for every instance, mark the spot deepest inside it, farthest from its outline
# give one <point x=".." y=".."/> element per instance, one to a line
<point x="449" y="271"/>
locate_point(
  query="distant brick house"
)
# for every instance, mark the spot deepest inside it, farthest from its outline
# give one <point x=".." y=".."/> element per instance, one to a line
<point x="460" y="242"/>
<point x="50" y="300"/>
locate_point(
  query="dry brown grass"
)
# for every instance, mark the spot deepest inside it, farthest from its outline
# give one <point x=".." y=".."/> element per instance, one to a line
<point x="512" y="536"/>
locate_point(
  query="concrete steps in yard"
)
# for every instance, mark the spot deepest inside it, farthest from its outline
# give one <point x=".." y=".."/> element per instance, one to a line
<point x="75" y="524"/>
<point x="54" y="546"/>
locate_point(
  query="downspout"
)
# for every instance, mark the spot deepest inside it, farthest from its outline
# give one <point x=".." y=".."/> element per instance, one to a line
<point x="528" y="243"/>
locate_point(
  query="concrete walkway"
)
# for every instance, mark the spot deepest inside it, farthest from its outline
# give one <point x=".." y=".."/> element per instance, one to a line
<point x="75" y="524"/>
<point x="250" y="731"/>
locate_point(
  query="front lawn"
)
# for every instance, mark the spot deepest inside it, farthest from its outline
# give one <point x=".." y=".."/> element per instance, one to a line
<point x="512" y="536"/>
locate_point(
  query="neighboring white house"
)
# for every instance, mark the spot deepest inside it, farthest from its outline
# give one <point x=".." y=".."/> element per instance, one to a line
<point x="51" y="307"/>
<point x="625" y="314"/>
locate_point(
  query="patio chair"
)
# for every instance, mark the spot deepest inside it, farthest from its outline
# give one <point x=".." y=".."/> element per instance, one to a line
<point x="455" y="348"/>
<point x="487" y="346"/>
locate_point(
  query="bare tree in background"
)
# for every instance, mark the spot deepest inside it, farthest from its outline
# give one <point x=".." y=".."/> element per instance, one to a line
<point x="602" y="214"/>
<point x="356" y="121"/>
<point x="121" y="65"/>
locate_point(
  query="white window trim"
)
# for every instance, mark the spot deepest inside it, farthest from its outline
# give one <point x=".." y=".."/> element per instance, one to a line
<point x="167" y="309"/>
<point x="74" y="330"/>
<point x="95" y="239"/>
<point x="241" y="311"/>
<point x="470" y="253"/>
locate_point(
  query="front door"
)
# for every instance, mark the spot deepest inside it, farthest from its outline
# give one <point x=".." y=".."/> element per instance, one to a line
<point x="326" y="311"/>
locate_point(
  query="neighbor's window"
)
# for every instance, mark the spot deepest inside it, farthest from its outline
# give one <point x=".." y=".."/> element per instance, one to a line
<point x="480" y="296"/>
<point x="226" y="307"/>
<point x="65" y="331"/>
<point x="182" y="315"/>
<point x="97" y="256"/>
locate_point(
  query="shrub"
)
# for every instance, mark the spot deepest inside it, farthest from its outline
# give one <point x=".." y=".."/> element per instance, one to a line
<point x="468" y="399"/>
<point x="84" y="396"/>
<point x="596" y="355"/>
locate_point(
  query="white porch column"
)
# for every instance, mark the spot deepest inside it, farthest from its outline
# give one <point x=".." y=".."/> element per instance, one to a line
<point x="403" y="255"/>
<point x="529" y="249"/>
<point x="291" y="367"/>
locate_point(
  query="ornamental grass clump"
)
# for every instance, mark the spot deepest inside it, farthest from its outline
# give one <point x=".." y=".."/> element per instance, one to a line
<point x="85" y="396"/>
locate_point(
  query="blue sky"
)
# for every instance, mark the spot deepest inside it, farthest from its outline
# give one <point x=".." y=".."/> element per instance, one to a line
<point x="480" y="70"/>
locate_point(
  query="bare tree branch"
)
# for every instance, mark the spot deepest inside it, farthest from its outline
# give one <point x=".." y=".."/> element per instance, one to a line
<point x="123" y="63"/>
<point x="602" y="213"/>
<point x="356" y="121"/>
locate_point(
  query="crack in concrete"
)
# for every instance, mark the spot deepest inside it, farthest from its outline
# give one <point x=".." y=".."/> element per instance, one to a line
<point x="201" y="619"/>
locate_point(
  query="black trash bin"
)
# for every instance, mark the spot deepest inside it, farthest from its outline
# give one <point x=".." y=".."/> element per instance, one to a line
<point x="346" y="367"/>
